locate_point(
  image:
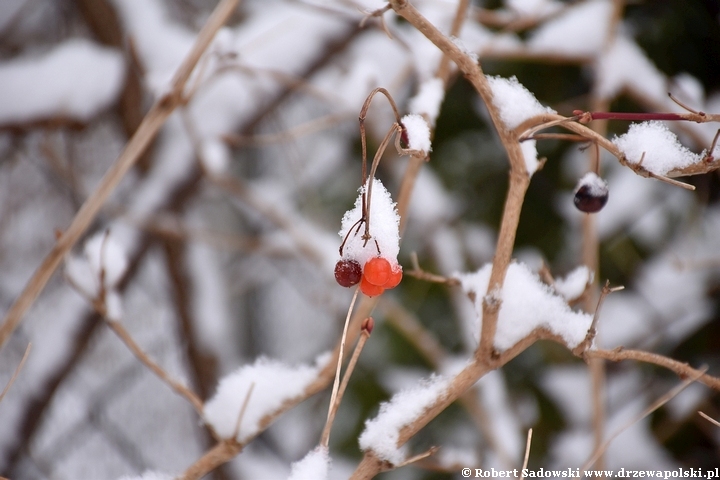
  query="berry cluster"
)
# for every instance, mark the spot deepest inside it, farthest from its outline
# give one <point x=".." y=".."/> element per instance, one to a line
<point x="377" y="275"/>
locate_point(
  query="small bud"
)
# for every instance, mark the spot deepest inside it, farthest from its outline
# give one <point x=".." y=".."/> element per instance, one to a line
<point x="591" y="193"/>
<point x="367" y="325"/>
<point x="404" y="141"/>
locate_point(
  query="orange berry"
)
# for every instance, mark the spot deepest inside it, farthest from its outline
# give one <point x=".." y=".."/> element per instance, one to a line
<point x="369" y="289"/>
<point x="395" y="277"/>
<point x="377" y="271"/>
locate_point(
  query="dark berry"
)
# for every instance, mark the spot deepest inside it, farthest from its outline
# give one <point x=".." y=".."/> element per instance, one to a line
<point x="591" y="193"/>
<point x="348" y="272"/>
<point x="404" y="141"/>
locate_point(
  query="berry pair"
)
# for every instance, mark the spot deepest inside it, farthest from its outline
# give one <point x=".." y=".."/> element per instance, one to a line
<point x="377" y="275"/>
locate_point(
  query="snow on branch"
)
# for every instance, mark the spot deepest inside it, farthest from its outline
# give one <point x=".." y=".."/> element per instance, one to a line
<point x="654" y="147"/>
<point x="527" y="304"/>
<point x="75" y="80"/>
<point x="381" y="434"/>
<point x="314" y="466"/>
<point x="247" y="395"/>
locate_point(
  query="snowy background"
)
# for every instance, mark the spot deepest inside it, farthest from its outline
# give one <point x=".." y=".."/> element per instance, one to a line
<point x="223" y="238"/>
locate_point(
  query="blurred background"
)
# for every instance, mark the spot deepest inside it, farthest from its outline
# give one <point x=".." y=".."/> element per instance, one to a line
<point x="229" y="223"/>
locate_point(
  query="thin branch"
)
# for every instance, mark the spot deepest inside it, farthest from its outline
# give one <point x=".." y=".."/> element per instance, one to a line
<point x="650" y="409"/>
<point x="366" y="328"/>
<point x="336" y="384"/>
<point x="145" y="133"/>
<point x="709" y="419"/>
<point x="17" y="372"/>
<point x="683" y="370"/>
<point x="528" y="442"/>
<point x="178" y="387"/>
<point x="236" y="431"/>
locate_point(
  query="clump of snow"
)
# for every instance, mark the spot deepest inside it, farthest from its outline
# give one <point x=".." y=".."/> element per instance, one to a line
<point x="527" y="304"/>
<point x="314" y="466"/>
<point x="625" y="65"/>
<point x="594" y="184"/>
<point x="514" y="102"/>
<point x="428" y="99"/>
<point x="381" y="434"/>
<point x="384" y="227"/>
<point x="529" y="150"/>
<point x="656" y="146"/>
<point x="75" y="80"/>
<point x="580" y="30"/>
<point x="272" y="383"/>
<point x="574" y="283"/>
<point x="103" y="263"/>
<point x="418" y="132"/>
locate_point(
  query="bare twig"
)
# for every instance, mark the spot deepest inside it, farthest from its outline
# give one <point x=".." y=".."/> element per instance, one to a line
<point x="336" y="384"/>
<point x="178" y="387"/>
<point x="16" y="372"/>
<point x="366" y="328"/>
<point x="709" y="419"/>
<point x="651" y="408"/>
<point x="528" y="442"/>
<point x="236" y="431"/>
<point x="683" y="370"/>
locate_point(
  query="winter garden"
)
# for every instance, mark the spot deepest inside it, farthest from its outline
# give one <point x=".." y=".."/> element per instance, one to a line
<point x="310" y="239"/>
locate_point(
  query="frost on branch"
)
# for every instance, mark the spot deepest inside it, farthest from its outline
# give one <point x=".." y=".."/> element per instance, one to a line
<point x="655" y="148"/>
<point x="381" y="434"/>
<point x="527" y="304"/>
<point x="272" y="383"/>
<point x="314" y="466"/>
<point x="384" y="228"/>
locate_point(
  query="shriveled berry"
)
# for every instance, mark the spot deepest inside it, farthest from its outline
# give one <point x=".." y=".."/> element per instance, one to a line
<point x="404" y="140"/>
<point x="395" y="277"/>
<point x="348" y="272"/>
<point x="591" y="193"/>
<point x="377" y="271"/>
<point x="369" y="289"/>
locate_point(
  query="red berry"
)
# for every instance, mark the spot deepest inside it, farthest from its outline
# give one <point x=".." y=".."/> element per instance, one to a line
<point x="369" y="289"/>
<point x="348" y="272"/>
<point x="395" y="277"/>
<point x="377" y="271"/>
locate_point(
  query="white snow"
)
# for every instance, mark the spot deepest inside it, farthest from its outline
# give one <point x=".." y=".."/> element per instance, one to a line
<point x="527" y="304"/>
<point x="428" y="99"/>
<point x="418" y="132"/>
<point x="625" y="65"/>
<point x="314" y="466"/>
<point x="529" y="150"/>
<point x="661" y="149"/>
<point x="272" y="383"/>
<point x="574" y="283"/>
<point x="103" y="258"/>
<point x="384" y="228"/>
<point x="533" y="7"/>
<point x="578" y="31"/>
<point x="149" y="475"/>
<point x="381" y="433"/>
<point x="215" y="156"/>
<point x="596" y="185"/>
<point x="515" y="102"/>
<point x="75" y="80"/>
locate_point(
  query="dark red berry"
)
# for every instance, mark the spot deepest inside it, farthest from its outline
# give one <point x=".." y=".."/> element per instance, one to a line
<point x="591" y="193"/>
<point x="348" y="272"/>
<point x="404" y="141"/>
